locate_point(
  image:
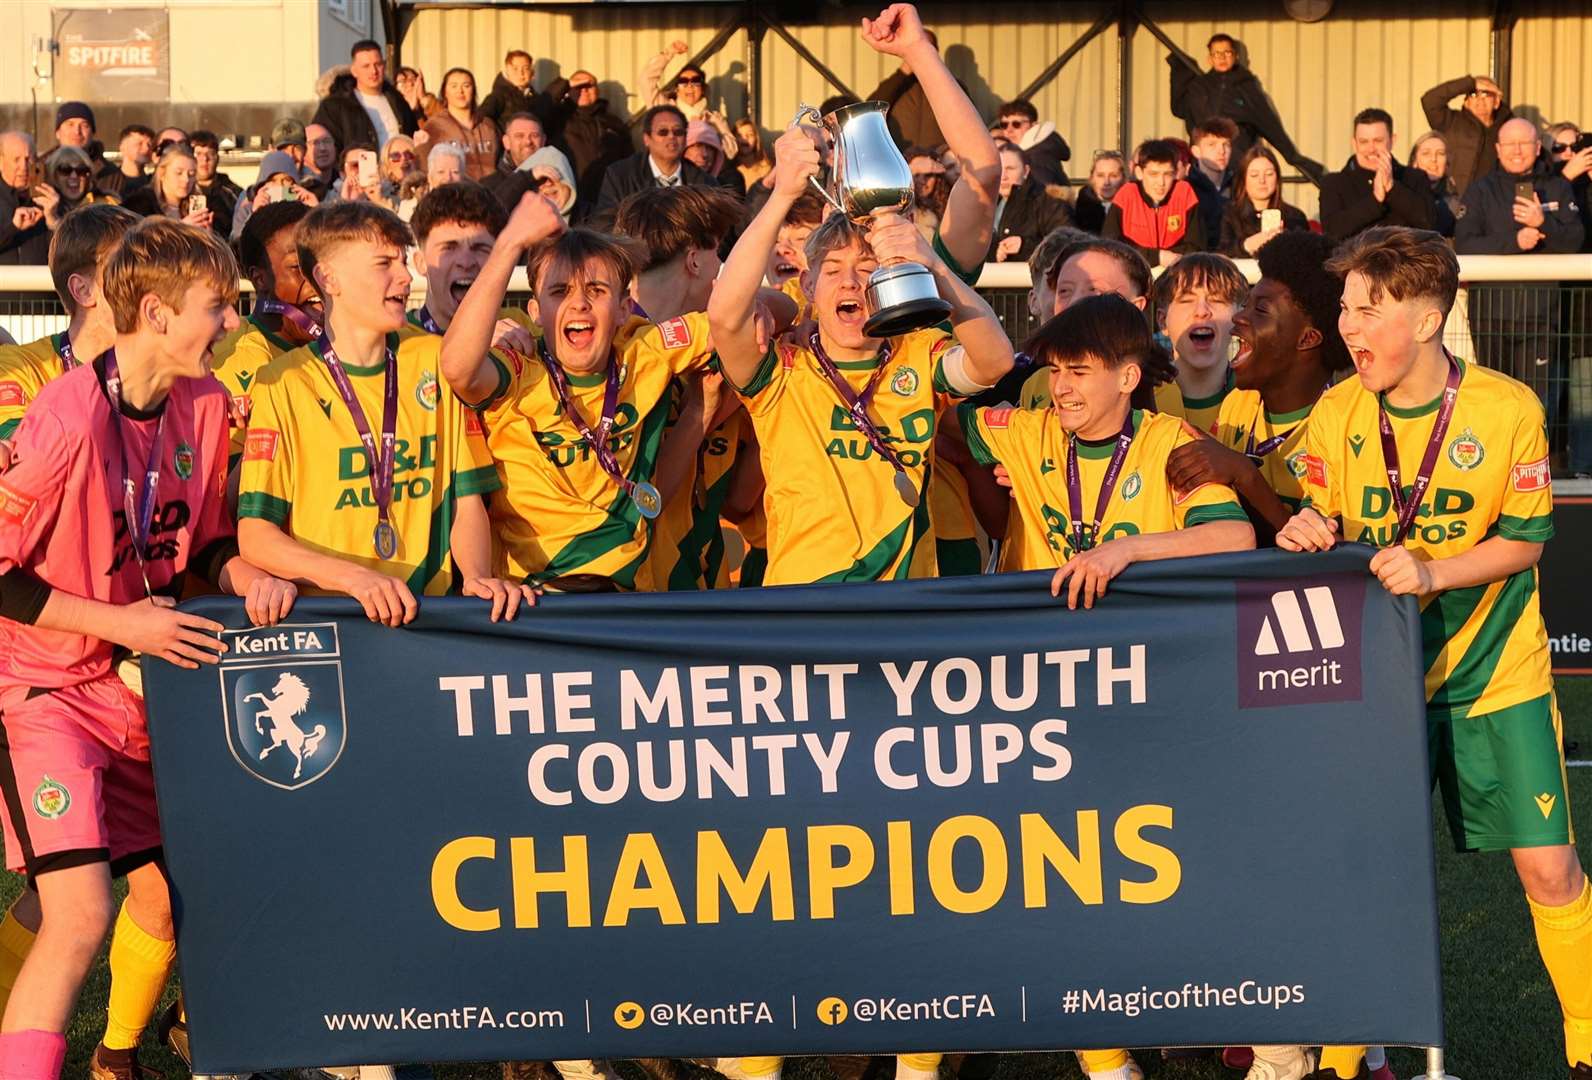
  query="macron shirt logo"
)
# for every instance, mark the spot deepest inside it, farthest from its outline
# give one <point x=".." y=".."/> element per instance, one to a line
<point x="1299" y="642"/>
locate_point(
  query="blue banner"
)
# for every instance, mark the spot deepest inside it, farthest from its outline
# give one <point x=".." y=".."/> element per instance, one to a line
<point x="939" y="815"/>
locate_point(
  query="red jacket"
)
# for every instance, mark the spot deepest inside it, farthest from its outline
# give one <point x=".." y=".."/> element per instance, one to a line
<point x="1173" y="225"/>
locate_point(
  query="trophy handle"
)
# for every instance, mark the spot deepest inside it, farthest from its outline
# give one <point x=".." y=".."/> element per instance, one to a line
<point x="806" y="112"/>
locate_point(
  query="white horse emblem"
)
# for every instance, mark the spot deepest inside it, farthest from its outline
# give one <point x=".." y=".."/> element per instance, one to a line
<point x="291" y="697"/>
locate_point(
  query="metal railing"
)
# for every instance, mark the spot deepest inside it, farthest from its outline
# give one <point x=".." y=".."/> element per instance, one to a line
<point x="1529" y="316"/>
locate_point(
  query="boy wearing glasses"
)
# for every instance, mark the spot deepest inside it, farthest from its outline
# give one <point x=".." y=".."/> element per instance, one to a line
<point x="1018" y="123"/>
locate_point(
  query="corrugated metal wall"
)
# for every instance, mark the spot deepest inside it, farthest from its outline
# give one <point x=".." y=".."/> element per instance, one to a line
<point x="1318" y="74"/>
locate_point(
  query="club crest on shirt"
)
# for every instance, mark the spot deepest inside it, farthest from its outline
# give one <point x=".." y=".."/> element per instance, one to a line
<point x="1466" y="451"/>
<point x="1296" y="465"/>
<point x="1132" y="486"/>
<point x="426" y="391"/>
<point x="51" y="800"/>
<point x="182" y="460"/>
<point x="904" y="383"/>
<point x="1174" y="221"/>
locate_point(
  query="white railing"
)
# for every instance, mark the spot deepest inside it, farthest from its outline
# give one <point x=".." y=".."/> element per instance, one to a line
<point x="1472" y="268"/>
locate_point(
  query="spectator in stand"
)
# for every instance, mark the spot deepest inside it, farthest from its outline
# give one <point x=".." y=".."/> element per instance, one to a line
<point x="74" y="126"/>
<point x="689" y="93"/>
<point x="1373" y="189"/>
<point x="320" y="159"/>
<point x="1430" y="157"/>
<point x="594" y="137"/>
<point x="553" y="177"/>
<point x="170" y="193"/>
<point x="216" y="186"/>
<point x="704" y="149"/>
<point x="523" y="135"/>
<point x="750" y="157"/>
<point x="1522" y="207"/>
<point x="1230" y="89"/>
<point x="1157" y="213"/>
<point x="930" y="189"/>
<point x="445" y="164"/>
<point x="1244" y="231"/>
<point x="277" y="181"/>
<point x="347" y="188"/>
<point x="1470" y="131"/>
<point x="660" y="163"/>
<point x="412" y="85"/>
<point x="1107" y="173"/>
<point x="911" y="120"/>
<point x="399" y="158"/>
<point x="24" y="234"/>
<point x="287" y="135"/>
<point x="1576" y="167"/>
<point x="1018" y="123"/>
<point x="71" y="174"/>
<point x="372" y="110"/>
<point x="136" y="146"/>
<point x="514" y="93"/>
<point x="1211" y="174"/>
<point x="461" y="122"/>
<point x="1025" y="213"/>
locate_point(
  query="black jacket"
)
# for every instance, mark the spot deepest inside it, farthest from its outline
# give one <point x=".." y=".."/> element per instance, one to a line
<point x="629" y="176"/>
<point x="222" y="197"/>
<point x="1444" y="202"/>
<point x="343" y="115"/>
<point x="1241" y="220"/>
<point x="910" y="118"/>
<point x="1237" y="95"/>
<point x="506" y="99"/>
<point x="1088" y="212"/>
<point x="1348" y="208"/>
<point x="1045" y="158"/>
<point x="21" y="247"/>
<point x="594" y="139"/>
<point x="1472" y="145"/>
<point x="1488" y="226"/>
<point x="1031" y="213"/>
<point x="1214" y="202"/>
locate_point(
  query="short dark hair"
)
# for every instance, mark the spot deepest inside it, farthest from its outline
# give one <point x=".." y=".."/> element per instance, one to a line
<point x="137" y="129"/>
<point x="262" y="227"/>
<point x="537" y="120"/>
<point x="1106" y="327"/>
<point x="1217" y="274"/>
<point x="364" y="45"/>
<point x="1016" y="151"/>
<point x="1374" y="115"/>
<point x="1020" y="107"/>
<point x="668" y="222"/>
<point x="1160" y="151"/>
<point x="1133" y="264"/>
<point x="83" y="241"/>
<point x="475" y="89"/>
<point x="352" y="148"/>
<point x="1302" y="262"/>
<point x="691" y="67"/>
<point x="653" y="113"/>
<point x="576" y="247"/>
<point x="1258" y="152"/>
<point x="1214" y="38"/>
<point x="464" y="203"/>
<point x="1403" y="263"/>
<point x="332" y="224"/>
<point x="1219" y="126"/>
<point x="514" y="54"/>
<point x="808" y="209"/>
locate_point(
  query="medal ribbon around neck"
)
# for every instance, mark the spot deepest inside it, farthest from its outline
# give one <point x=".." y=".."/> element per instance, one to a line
<point x="139" y="508"/>
<point x="857" y="405"/>
<point x="1434" y="443"/>
<point x="294" y="314"/>
<point x="381" y="461"/>
<point x="1082" y="539"/>
<point x="643" y="494"/>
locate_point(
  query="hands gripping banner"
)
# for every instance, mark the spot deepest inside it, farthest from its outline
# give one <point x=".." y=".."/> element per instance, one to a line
<point x="932" y="815"/>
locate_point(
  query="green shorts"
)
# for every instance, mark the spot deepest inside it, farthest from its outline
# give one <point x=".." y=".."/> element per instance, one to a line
<point x="1502" y="777"/>
<point x="958" y="558"/>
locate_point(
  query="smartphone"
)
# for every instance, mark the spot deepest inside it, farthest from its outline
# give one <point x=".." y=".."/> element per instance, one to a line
<point x="1524" y="190"/>
<point x="368" y="174"/>
<point x="1583" y="143"/>
<point x="280" y="193"/>
<point x="197" y="203"/>
<point x="1270" y="219"/>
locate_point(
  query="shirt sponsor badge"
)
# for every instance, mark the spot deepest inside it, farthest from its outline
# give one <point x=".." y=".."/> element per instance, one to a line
<point x="676" y="333"/>
<point x="260" y="445"/>
<point x="1531" y="476"/>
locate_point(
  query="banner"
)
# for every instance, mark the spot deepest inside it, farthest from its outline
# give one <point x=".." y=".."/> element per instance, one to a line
<point x="1566" y="581"/>
<point x="109" y="55"/>
<point x="939" y="815"/>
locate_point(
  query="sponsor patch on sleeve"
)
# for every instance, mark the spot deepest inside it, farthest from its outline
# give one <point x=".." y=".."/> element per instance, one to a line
<point x="998" y="418"/>
<point x="472" y="423"/>
<point x="1315" y="470"/>
<point x="14" y="506"/>
<point x="260" y="445"/>
<point x="676" y="333"/>
<point x="12" y="394"/>
<point x="1531" y="476"/>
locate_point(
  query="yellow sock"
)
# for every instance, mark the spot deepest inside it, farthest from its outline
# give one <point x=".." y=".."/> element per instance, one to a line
<point x="15" y="941"/>
<point x="1564" y="938"/>
<point x="1097" y="1061"/>
<point x="910" y="1065"/>
<point x="1343" y="1060"/>
<point x="761" y="1066"/>
<point x="140" y="963"/>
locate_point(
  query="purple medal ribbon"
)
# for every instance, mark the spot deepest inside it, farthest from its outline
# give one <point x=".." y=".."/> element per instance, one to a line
<point x="1390" y="451"/>
<point x="294" y="314"/>
<point x="139" y="509"/>
<point x="382" y="462"/>
<point x="427" y="323"/>
<point x="857" y="406"/>
<point x="63" y="349"/>
<point x="1083" y="539"/>
<point x="644" y="495"/>
<point x="1258" y="453"/>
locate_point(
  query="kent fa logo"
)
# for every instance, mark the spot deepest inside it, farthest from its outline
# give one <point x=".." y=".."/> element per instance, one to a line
<point x="1299" y="641"/>
<point x="282" y="702"/>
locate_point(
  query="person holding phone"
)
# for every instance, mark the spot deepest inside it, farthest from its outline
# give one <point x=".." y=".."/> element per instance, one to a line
<point x="174" y="192"/>
<point x="1257" y="212"/>
<point x="24" y="234"/>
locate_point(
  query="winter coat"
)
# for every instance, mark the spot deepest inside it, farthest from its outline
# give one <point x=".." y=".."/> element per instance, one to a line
<point x="1348" y="208"/>
<point x="1472" y="145"/>
<point x="1046" y="150"/>
<point x="911" y="120"/>
<point x="1030" y="213"/>
<point x="506" y="99"/>
<point x="594" y="138"/>
<point x="631" y="175"/>
<point x="1237" y="95"/>
<point x="1488" y="226"/>
<point x="341" y="113"/>
<point x="1241" y="220"/>
<point x="480" y="141"/>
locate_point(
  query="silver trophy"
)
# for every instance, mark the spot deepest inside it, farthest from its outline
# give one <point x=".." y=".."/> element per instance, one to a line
<point x="869" y="176"/>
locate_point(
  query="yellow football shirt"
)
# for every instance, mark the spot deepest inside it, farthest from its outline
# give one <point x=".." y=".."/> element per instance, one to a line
<point x="24" y="369"/>
<point x="1036" y="394"/>
<point x="1033" y="447"/>
<point x="237" y="361"/>
<point x="1245" y="423"/>
<point x="559" y="512"/>
<point x="1486" y="646"/>
<point x="1202" y="413"/>
<point x="413" y="324"/>
<point x="306" y="471"/>
<point x="957" y="547"/>
<point x="687" y="540"/>
<point x="832" y="507"/>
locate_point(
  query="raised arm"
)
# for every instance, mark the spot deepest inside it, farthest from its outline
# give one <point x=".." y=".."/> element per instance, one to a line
<point x="465" y="347"/>
<point x="735" y="296"/>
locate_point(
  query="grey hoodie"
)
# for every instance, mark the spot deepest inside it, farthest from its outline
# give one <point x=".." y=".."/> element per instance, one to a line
<point x="550" y="157"/>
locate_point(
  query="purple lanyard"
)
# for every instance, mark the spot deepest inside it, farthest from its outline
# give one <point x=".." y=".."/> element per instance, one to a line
<point x="642" y="494"/>
<point x="294" y="314"/>
<point x="1258" y="453"/>
<point x="1390" y="451"/>
<point x="857" y="406"/>
<point x="427" y="323"/>
<point x="1082" y="539"/>
<point x="139" y="509"/>
<point x="63" y="349"/>
<point x="381" y="464"/>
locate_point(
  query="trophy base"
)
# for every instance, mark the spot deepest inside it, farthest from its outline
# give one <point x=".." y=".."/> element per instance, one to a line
<point x="907" y="316"/>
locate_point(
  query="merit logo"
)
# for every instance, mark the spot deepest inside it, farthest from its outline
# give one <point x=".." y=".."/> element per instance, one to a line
<point x="282" y="702"/>
<point x="1299" y="641"/>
